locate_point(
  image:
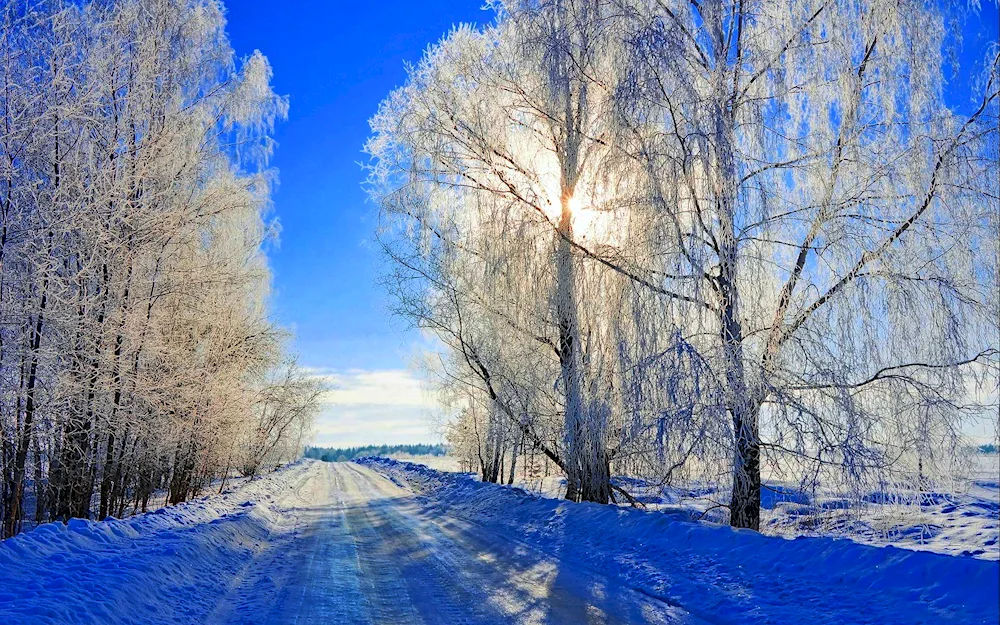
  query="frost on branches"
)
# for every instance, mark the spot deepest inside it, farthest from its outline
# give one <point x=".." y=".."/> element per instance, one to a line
<point x="136" y="355"/>
<point x="701" y="240"/>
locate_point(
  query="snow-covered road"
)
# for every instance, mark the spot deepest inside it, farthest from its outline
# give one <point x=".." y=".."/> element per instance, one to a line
<point x="362" y="551"/>
<point x="387" y="542"/>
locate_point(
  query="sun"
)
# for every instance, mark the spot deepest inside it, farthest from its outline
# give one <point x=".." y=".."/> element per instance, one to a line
<point x="588" y="221"/>
<point x="575" y="204"/>
<point x="553" y="203"/>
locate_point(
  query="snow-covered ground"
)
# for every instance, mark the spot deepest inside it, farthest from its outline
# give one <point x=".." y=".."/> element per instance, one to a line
<point x="167" y="566"/>
<point x="314" y="543"/>
<point x="962" y="519"/>
<point x="715" y="573"/>
<point x="393" y="542"/>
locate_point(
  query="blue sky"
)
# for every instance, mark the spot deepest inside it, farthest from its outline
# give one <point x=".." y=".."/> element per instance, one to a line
<point x="336" y="61"/>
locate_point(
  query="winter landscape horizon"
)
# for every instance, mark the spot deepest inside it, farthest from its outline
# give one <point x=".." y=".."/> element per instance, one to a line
<point x="525" y="311"/>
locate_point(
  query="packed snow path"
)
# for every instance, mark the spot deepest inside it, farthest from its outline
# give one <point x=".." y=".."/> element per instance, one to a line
<point x="362" y="552"/>
<point x="315" y="543"/>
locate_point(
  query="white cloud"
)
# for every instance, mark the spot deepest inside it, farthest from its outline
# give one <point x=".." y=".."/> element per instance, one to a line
<point x="390" y="387"/>
<point x="375" y="407"/>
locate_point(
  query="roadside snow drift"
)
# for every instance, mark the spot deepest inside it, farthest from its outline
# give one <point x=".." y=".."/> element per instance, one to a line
<point x="171" y="565"/>
<point x="714" y="572"/>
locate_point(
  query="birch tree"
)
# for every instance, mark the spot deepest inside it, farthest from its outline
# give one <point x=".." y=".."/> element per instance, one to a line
<point x="135" y="337"/>
<point x="515" y="183"/>
<point x="835" y="214"/>
<point x="731" y="233"/>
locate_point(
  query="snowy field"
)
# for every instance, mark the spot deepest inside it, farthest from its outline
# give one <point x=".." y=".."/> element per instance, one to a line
<point x="438" y="463"/>
<point x="393" y="542"/>
<point x="961" y="520"/>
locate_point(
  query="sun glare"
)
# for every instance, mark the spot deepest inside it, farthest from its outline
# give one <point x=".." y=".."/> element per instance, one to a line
<point x="575" y="204"/>
<point x="553" y="207"/>
<point x="589" y="223"/>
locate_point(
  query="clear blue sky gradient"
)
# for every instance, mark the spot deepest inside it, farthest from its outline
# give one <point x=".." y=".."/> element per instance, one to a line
<point x="336" y="61"/>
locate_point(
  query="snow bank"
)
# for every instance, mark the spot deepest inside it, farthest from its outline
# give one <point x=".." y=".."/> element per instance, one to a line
<point x="954" y="523"/>
<point x="963" y="521"/>
<point x="171" y="565"/>
<point x="717" y="573"/>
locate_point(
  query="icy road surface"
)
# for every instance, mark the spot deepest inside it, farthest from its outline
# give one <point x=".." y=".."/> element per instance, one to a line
<point x="362" y="552"/>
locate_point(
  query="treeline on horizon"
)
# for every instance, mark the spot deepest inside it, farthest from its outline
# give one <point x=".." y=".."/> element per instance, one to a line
<point x="343" y="454"/>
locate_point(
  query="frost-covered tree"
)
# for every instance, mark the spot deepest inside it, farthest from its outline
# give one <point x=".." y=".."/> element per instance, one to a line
<point x="498" y="200"/>
<point x="722" y="232"/>
<point x="836" y="217"/>
<point x="285" y="408"/>
<point x="134" y="336"/>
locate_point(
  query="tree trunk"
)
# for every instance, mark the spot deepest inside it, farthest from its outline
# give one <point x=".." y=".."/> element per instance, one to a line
<point x="15" y="507"/>
<point x="744" y="506"/>
<point x="39" y="485"/>
<point x="513" y="459"/>
<point x="587" y="476"/>
<point x="106" y="478"/>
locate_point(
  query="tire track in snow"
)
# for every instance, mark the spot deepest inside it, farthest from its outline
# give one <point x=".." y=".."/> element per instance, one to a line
<point x="491" y="579"/>
<point x="385" y="594"/>
<point x="352" y="547"/>
<point x="263" y="574"/>
<point x="325" y="587"/>
<point x="394" y="545"/>
<point x="303" y="573"/>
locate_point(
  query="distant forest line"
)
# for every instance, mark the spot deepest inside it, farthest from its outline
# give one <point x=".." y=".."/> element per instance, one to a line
<point x="343" y="454"/>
